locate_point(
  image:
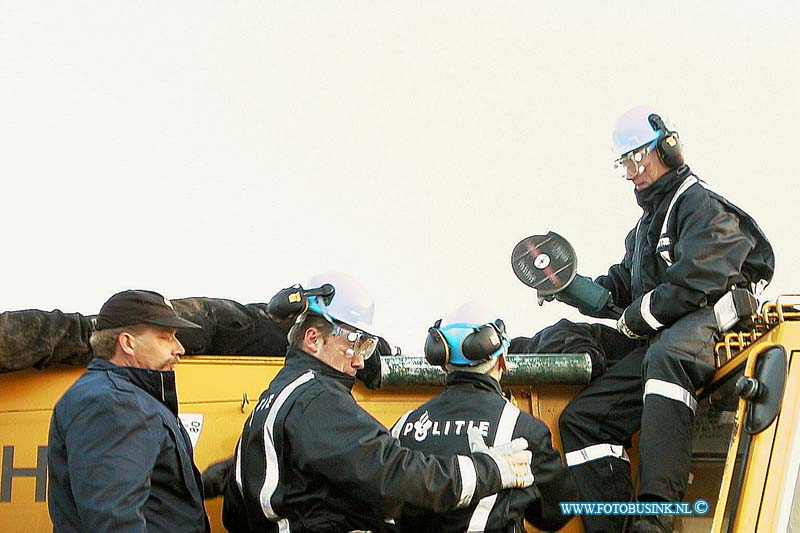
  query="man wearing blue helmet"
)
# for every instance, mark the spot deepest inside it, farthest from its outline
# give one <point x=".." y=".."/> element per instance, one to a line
<point x="471" y="345"/>
<point x="310" y="459"/>
<point x="689" y="248"/>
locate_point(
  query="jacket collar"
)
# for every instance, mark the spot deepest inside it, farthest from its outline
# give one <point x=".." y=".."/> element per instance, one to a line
<point x="296" y="358"/>
<point x="477" y="381"/>
<point x="652" y="196"/>
<point x="158" y="384"/>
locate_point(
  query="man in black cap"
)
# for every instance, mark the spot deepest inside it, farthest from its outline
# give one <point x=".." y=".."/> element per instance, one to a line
<point x="118" y="457"/>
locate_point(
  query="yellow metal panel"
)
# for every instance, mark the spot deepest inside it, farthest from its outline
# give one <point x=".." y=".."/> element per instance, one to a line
<point x="768" y="449"/>
<point x="24" y="478"/>
<point x="790" y="410"/>
<point x="754" y="479"/>
<point x="759" y="460"/>
<point x="224" y="390"/>
<point x="20" y="395"/>
<point x="787" y="421"/>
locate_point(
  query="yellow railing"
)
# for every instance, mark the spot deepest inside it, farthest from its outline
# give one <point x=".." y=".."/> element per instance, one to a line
<point x="783" y="309"/>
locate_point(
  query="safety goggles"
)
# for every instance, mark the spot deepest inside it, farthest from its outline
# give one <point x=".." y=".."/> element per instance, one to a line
<point x="630" y="164"/>
<point x="363" y="344"/>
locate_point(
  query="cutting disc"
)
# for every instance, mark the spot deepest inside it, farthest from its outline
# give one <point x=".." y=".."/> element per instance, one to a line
<point x="546" y="263"/>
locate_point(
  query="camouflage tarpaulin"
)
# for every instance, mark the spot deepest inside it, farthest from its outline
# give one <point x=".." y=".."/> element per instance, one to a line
<point x="38" y="339"/>
<point x="33" y="338"/>
<point x="230" y="328"/>
<point x="569" y="337"/>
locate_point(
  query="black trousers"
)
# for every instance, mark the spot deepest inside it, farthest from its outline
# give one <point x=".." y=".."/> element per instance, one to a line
<point x="650" y="389"/>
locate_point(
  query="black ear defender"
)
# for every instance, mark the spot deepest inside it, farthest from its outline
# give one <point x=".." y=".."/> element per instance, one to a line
<point x="479" y="345"/>
<point x="668" y="145"/>
<point x="291" y="302"/>
<point x="437" y="352"/>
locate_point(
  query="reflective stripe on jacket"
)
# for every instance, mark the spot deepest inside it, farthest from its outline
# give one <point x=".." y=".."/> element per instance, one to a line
<point x="712" y="245"/>
<point x="311" y="459"/>
<point x="439" y="427"/>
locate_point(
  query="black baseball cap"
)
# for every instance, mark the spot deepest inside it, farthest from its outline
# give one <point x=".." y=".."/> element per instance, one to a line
<point x="132" y="307"/>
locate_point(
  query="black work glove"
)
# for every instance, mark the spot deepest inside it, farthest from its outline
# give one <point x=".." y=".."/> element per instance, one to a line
<point x="216" y="476"/>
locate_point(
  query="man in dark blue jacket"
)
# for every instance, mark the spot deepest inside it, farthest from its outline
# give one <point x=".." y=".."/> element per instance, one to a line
<point x="118" y="457"/>
<point x="471" y="345"/>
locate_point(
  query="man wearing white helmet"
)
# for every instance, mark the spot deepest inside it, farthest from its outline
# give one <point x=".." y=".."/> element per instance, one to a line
<point x="471" y="345"/>
<point x="688" y="249"/>
<point x="311" y="459"/>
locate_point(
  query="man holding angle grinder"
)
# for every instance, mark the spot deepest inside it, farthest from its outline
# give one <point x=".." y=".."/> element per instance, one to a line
<point x="690" y="249"/>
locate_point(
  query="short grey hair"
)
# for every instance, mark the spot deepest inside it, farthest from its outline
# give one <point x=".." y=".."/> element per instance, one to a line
<point x="482" y="368"/>
<point x="298" y="330"/>
<point x="104" y="341"/>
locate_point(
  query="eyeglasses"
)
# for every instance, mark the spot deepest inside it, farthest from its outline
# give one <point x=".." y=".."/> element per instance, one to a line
<point x="630" y="164"/>
<point x="363" y="344"/>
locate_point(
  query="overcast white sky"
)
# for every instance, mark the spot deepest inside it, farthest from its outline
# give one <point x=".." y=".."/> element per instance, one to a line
<point x="229" y="149"/>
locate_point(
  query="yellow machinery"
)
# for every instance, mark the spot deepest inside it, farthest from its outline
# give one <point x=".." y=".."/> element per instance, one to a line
<point x="747" y="473"/>
<point x="216" y="395"/>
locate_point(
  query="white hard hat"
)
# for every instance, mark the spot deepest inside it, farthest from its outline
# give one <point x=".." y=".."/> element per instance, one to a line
<point x="470" y="313"/>
<point x="637" y="127"/>
<point x="351" y="303"/>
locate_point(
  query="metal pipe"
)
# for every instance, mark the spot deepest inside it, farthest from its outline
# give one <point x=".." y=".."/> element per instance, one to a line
<point x="523" y="369"/>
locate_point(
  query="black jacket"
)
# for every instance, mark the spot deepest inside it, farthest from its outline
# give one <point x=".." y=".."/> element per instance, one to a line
<point x="671" y="269"/>
<point x="119" y="458"/>
<point x="311" y="457"/>
<point x="439" y="427"/>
